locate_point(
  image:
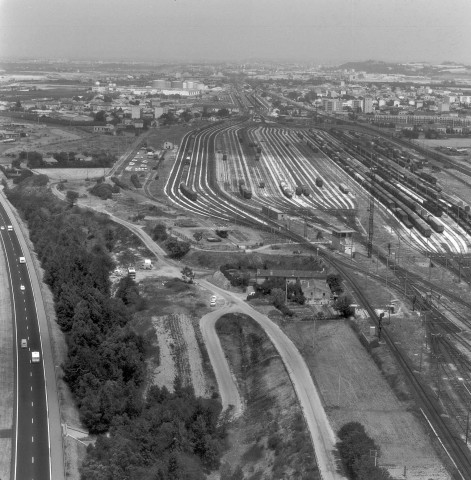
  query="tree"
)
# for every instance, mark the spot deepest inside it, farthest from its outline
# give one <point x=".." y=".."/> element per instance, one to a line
<point x="186" y="116"/>
<point x="187" y="274"/>
<point x="71" y="197"/>
<point x="159" y="233"/>
<point x="277" y="297"/>
<point x="100" y="116"/>
<point x="343" y="306"/>
<point x="176" y="248"/>
<point x="198" y="236"/>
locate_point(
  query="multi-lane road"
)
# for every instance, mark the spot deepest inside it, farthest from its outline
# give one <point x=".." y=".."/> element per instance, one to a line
<point x="30" y="432"/>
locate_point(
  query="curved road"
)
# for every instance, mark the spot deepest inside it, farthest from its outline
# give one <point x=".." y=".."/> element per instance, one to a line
<point x="322" y="435"/>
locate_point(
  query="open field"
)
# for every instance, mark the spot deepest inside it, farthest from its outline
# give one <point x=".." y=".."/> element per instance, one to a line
<point x="60" y="174"/>
<point x="354" y="389"/>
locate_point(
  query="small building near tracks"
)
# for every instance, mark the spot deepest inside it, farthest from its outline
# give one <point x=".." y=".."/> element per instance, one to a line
<point x="342" y="240"/>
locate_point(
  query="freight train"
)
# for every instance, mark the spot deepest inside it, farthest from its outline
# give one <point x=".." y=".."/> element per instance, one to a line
<point x="286" y="189"/>
<point x="244" y="191"/>
<point x="188" y="192"/>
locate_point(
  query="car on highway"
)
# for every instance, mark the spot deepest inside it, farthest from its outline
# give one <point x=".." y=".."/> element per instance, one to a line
<point x="22" y="287"/>
<point x="212" y="301"/>
<point x="10" y="228"/>
<point x="22" y="260"/>
<point x="24" y="343"/>
<point x="2" y="227"/>
<point x="35" y="357"/>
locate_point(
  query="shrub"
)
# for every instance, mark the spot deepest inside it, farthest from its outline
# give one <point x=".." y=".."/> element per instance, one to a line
<point x="135" y="180"/>
<point x="159" y="233"/>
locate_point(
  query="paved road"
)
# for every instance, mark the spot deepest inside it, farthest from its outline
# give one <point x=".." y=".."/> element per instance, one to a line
<point x="30" y="446"/>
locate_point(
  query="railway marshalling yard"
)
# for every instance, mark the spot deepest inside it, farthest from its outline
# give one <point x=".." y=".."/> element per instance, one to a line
<point x="418" y="266"/>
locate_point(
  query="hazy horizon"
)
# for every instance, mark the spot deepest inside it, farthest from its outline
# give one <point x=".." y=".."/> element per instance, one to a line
<point x="305" y="31"/>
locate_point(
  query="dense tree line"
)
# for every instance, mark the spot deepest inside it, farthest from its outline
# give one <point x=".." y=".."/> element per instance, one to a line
<point x="105" y="363"/>
<point x="356" y="449"/>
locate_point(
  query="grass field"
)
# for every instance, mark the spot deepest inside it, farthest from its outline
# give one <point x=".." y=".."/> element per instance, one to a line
<point x="58" y="174"/>
<point x="354" y="389"/>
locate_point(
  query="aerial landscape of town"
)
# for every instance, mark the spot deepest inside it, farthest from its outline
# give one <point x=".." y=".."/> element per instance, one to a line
<point x="235" y="242"/>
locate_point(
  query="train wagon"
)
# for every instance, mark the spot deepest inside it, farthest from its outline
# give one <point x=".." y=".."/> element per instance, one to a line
<point x="188" y="192"/>
<point x="435" y="224"/>
<point x="429" y="178"/>
<point x="286" y="189"/>
<point x="319" y="182"/>
<point x="273" y="213"/>
<point x="245" y="192"/>
<point x="343" y="188"/>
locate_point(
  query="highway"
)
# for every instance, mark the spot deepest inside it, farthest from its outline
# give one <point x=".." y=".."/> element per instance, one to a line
<point x="30" y="442"/>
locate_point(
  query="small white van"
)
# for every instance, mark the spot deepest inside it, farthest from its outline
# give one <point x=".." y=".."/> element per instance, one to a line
<point x="34" y="357"/>
<point x="10" y="228"/>
<point x="22" y="260"/>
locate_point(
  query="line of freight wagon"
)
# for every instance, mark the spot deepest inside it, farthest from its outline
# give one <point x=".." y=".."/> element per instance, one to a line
<point x="431" y="193"/>
<point x="382" y="193"/>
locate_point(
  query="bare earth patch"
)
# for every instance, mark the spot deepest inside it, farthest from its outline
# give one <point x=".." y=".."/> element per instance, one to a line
<point x="164" y="374"/>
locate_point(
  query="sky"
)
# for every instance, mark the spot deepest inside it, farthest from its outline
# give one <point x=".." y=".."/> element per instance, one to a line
<point x="318" y="31"/>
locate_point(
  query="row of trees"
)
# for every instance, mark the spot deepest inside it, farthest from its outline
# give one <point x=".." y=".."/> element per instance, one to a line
<point x="105" y="364"/>
<point x="65" y="160"/>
